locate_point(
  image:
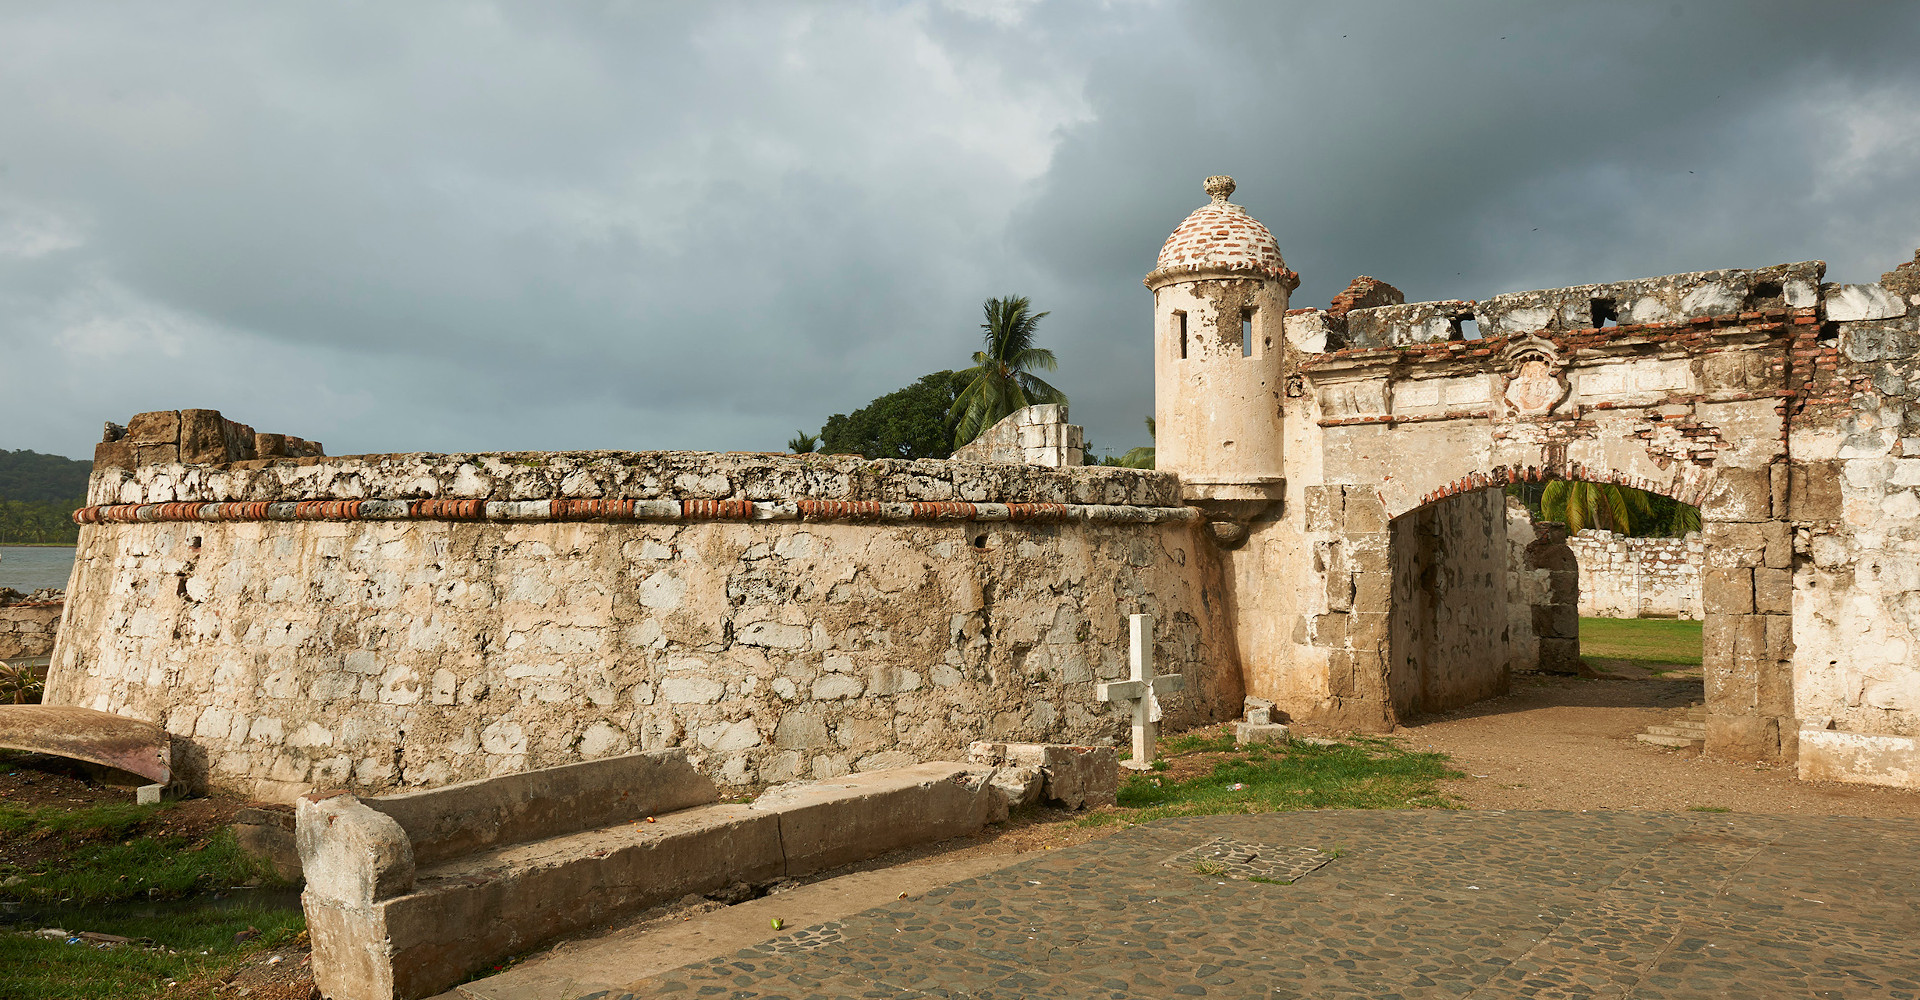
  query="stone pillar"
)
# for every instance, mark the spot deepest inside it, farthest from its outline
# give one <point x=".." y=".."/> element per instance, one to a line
<point x="1747" y="597"/>
<point x="1556" y="611"/>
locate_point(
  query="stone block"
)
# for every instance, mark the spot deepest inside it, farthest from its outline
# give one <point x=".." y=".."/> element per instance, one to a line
<point x="1245" y="733"/>
<point x="1777" y="551"/>
<point x="833" y="823"/>
<point x="1331" y="630"/>
<point x="1326" y="508"/>
<point x="1077" y="777"/>
<point x="1556" y="621"/>
<point x="1727" y="591"/>
<point x="1367" y="630"/>
<point x="1853" y="303"/>
<point x="1743" y="737"/>
<point x="270" y="446"/>
<point x="1340" y="673"/>
<point x="203" y="438"/>
<point x="158" y="454"/>
<point x="1814" y="493"/>
<point x="1019" y="786"/>
<point x="158" y="427"/>
<point x="1734" y="544"/>
<point x="1366" y="514"/>
<point x="1740" y="495"/>
<point x="1559" y="656"/>
<point x="1772" y="591"/>
<point x="113" y="455"/>
<point x="266" y="833"/>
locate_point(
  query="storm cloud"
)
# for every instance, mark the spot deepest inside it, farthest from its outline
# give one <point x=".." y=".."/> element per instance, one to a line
<point x="472" y="226"/>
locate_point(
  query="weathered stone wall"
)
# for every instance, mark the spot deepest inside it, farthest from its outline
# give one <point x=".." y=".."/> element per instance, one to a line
<point x="1031" y="435"/>
<point x="392" y="653"/>
<point x="1856" y="522"/>
<point x="1626" y="577"/>
<point x="1448" y="634"/>
<point x="28" y="627"/>
<point x="1525" y="585"/>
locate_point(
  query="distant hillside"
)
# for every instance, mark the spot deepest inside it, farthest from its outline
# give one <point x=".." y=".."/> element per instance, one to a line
<point x="29" y="475"/>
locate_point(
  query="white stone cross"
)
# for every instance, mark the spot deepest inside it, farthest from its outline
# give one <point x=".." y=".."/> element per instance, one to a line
<point x="1141" y="692"/>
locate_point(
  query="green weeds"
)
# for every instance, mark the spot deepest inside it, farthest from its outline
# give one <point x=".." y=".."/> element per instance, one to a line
<point x="168" y="947"/>
<point x="1359" y="773"/>
<point x="116" y="853"/>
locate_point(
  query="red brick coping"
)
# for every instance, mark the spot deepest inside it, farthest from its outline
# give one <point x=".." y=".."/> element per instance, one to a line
<point x="570" y="509"/>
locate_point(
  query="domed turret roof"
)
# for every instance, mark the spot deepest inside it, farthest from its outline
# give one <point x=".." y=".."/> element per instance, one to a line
<point x="1220" y="236"/>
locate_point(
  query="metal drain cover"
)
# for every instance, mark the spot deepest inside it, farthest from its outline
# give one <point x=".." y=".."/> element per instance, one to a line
<point x="1238" y="859"/>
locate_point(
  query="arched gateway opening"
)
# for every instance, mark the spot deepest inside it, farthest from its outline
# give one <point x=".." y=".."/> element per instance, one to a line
<point x="1414" y="432"/>
<point x="1485" y="592"/>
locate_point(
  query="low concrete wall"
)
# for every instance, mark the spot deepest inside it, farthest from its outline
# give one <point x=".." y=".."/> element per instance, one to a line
<point x="1625" y="577"/>
<point x="395" y="918"/>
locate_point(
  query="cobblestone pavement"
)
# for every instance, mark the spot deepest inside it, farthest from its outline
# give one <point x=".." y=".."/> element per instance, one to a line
<point x="1388" y="905"/>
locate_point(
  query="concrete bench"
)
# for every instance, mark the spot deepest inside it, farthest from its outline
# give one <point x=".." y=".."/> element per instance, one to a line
<point x="409" y="894"/>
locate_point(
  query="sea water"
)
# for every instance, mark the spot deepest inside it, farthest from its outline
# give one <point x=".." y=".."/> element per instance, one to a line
<point x="27" y="568"/>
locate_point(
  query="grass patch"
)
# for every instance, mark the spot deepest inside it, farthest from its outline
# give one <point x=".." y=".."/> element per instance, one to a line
<point x="1709" y="809"/>
<point x="183" y="944"/>
<point x="1651" y="643"/>
<point x="116" y="853"/>
<point x="1359" y="773"/>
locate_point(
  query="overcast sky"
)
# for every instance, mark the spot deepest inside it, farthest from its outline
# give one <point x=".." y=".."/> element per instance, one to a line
<point x="472" y="226"/>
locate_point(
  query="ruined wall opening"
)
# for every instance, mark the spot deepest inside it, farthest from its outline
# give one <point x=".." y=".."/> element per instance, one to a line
<point x="1246" y="334"/>
<point x="1484" y="594"/>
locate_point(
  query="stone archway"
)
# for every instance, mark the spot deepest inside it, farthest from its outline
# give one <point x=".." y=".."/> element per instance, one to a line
<point x="1696" y="409"/>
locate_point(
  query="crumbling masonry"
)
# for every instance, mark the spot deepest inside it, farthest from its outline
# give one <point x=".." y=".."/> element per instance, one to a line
<point x="1324" y="533"/>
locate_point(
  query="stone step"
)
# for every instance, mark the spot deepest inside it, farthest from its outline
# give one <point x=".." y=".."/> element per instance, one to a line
<point x="1697" y="714"/>
<point x="1681" y="730"/>
<point x="1667" y="741"/>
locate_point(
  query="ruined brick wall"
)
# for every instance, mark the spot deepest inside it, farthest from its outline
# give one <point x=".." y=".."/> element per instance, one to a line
<point x="28" y="626"/>
<point x="1856" y="520"/>
<point x="1448" y="633"/>
<point x="1625" y="577"/>
<point x="433" y="647"/>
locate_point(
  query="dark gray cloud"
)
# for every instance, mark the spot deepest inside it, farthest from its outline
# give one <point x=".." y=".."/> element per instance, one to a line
<point x="472" y="226"/>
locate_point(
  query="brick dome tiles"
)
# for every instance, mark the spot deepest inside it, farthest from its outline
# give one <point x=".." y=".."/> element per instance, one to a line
<point x="1221" y="236"/>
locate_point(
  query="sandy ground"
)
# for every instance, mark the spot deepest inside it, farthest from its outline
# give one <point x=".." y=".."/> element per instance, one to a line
<point x="1567" y="743"/>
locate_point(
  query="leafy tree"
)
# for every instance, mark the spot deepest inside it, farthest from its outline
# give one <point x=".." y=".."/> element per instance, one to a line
<point x="910" y="422"/>
<point x="1597" y="505"/>
<point x="803" y="443"/>
<point x="1002" y="380"/>
<point x="29" y="475"/>
<point x="24" y="521"/>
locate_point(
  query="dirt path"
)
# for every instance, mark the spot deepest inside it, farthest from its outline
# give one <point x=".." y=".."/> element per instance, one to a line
<point x="1567" y="743"/>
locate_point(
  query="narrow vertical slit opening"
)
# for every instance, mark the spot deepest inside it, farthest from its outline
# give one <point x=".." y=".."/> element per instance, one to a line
<point x="1180" y="321"/>
<point x="1246" y="333"/>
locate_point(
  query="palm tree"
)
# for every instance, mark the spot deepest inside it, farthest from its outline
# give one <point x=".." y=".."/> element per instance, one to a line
<point x="803" y="443"/>
<point x="1001" y="380"/>
<point x="1142" y="457"/>
<point x="1607" y="506"/>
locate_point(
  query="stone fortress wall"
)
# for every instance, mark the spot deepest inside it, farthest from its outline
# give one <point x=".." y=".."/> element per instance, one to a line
<point x="1626" y="577"/>
<point x="411" y="620"/>
<point x="28" y="625"/>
